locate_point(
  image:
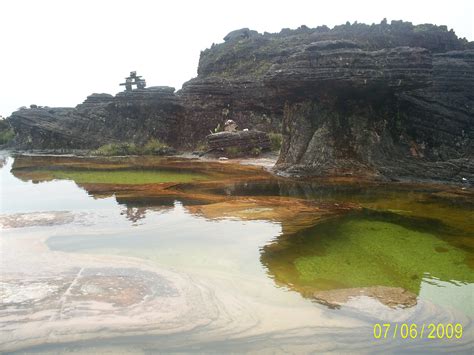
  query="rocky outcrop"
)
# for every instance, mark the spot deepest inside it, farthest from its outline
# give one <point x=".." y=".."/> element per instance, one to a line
<point x="135" y="116"/>
<point x="46" y="127"/>
<point x="243" y="33"/>
<point x="387" y="100"/>
<point x="399" y="113"/>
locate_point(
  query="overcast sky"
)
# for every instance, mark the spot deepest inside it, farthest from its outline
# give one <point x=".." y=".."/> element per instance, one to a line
<point x="55" y="53"/>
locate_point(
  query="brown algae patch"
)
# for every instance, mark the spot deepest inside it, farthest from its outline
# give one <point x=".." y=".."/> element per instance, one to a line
<point x="294" y="214"/>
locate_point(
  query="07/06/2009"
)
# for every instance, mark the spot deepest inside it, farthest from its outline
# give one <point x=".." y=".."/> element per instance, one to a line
<point x="420" y="331"/>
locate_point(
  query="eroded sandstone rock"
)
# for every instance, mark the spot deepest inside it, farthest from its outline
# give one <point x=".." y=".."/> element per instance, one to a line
<point x="244" y="141"/>
<point x="388" y="100"/>
<point x="135" y="116"/>
<point x="400" y="113"/>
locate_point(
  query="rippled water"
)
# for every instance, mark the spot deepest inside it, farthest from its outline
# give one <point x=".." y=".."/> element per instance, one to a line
<point x="250" y="257"/>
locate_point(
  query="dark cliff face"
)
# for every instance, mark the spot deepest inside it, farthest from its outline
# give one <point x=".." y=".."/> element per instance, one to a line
<point x="399" y="113"/>
<point x="210" y="101"/>
<point x="382" y="100"/>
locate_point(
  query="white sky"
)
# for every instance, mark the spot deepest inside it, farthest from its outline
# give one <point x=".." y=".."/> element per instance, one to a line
<point x="56" y="52"/>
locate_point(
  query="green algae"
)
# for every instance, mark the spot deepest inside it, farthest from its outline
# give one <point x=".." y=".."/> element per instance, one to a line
<point x="133" y="177"/>
<point x="361" y="250"/>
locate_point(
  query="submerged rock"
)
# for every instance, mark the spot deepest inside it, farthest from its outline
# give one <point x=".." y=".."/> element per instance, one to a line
<point x="389" y="296"/>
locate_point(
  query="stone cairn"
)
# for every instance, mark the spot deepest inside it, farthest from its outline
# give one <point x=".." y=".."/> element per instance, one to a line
<point x="134" y="79"/>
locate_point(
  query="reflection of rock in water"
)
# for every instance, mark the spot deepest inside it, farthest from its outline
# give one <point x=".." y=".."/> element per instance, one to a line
<point x="389" y="296"/>
<point x="134" y="214"/>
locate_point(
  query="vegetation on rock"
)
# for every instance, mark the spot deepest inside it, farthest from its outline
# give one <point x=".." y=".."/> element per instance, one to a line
<point x="152" y="147"/>
<point x="112" y="149"/>
<point x="275" y="140"/>
<point x="155" y="147"/>
<point x="6" y="132"/>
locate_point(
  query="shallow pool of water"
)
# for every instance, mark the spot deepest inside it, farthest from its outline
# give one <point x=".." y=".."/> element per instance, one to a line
<point x="250" y="258"/>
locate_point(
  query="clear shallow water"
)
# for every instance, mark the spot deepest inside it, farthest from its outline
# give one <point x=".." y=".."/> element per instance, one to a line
<point x="229" y="232"/>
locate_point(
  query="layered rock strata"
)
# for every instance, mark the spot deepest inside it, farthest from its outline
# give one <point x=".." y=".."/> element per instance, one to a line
<point x="135" y="116"/>
<point x="388" y="100"/>
<point x="244" y="141"/>
<point x="397" y="113"/>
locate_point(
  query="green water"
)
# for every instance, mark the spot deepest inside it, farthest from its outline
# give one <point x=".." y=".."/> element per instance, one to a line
<point x="126" y="176"/>
<point x="367" y="249"/>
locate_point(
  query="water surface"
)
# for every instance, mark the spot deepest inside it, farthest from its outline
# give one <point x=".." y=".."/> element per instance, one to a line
<point x="247" y="256"/>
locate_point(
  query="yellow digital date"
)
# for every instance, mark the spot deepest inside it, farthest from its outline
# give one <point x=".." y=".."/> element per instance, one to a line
<point x="418" y="331"/>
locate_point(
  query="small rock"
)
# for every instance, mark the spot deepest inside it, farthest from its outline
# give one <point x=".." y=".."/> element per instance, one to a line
<point x="230" y="126"/>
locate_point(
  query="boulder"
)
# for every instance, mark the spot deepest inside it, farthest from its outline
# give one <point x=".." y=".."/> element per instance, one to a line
<point x="243" y="33"/>
<point x="244" y="141"/>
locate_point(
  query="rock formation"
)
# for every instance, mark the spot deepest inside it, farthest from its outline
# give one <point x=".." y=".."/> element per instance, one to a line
<point x="392" y="112"/>
<point x="131" y="116"/>
<point x="388" y="100"/>
<point x="244" y="141"/>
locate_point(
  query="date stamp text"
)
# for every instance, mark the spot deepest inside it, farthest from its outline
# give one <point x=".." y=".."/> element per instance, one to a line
<point x="418" y="331"/>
